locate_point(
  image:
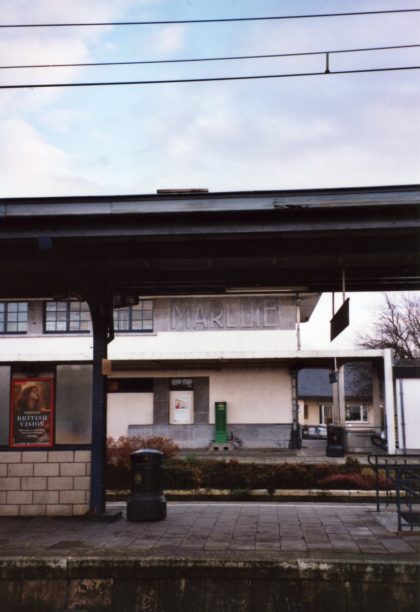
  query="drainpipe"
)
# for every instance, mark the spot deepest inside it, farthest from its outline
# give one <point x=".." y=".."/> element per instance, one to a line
<point x="401" y="393"/>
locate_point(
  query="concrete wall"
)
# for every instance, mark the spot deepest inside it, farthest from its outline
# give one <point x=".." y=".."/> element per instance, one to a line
<point x="313" y="412"/>
<point x="254" y="395"/>
<point x="142" y="582"/>
<point x="127" y="408"/>
<point x="408" y="393"/>
<point x="37" y="483"/>
<point x="186" y="436"/>
<point x="259" y="407"/>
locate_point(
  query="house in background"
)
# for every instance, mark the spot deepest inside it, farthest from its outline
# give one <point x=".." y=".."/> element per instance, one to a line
<point x="319" y="391"/>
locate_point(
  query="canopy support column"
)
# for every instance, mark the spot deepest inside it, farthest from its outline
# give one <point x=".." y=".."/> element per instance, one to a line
<point x="101" y="310"/>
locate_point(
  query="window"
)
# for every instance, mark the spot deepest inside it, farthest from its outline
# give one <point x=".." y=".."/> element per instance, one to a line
<point x="325" y="414"/>
<point x="358" y="413"/>
<point x="130" y="385"/>
<point x="13" y="317"/>
<point x="67" y="317"/>
<point x="138" y="318"/>
<point x="181" y="384"/>
<point x="305" y="412"/>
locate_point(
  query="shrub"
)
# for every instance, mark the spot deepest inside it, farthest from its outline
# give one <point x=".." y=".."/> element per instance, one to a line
<point x="117" y="477"/>
<point x="118" y="451"/>
<point x="193" y="472"/>
<point x="289" y="476"/>
<point x="179" y="474"/>
<point x="345" y="481"/>
<point x="352" y="464"/>
<point x="369" y="475"/>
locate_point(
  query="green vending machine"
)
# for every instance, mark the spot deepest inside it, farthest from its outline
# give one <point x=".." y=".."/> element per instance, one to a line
<point x="221" y="422"/>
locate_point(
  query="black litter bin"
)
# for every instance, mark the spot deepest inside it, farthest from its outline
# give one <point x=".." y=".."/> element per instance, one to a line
<point x="146" y="501"/>
<point x="335" y="441"/>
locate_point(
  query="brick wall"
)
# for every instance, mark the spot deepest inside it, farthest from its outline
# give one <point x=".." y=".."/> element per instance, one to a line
<point x="39" y="483"/>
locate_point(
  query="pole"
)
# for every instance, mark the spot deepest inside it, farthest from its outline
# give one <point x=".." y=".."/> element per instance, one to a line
<point x="101" y="308"/>
<point x="298" y="337"/>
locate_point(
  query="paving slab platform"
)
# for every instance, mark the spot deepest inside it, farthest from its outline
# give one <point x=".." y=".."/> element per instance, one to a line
<point x="243" y="557"/>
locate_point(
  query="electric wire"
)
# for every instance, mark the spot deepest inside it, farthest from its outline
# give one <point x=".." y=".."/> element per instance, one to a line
<point x="207" y="59"/>
<point x="211" y="20"/>
<point x="208" y="79"/>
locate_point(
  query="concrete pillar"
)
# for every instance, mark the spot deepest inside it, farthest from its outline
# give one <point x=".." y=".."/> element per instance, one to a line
<point x="100" y="306"/>
<point x="341" y="396"/>
<point x="339" y="399"/>
<point x="389" y="401"/>
<point x="376" y="400"/>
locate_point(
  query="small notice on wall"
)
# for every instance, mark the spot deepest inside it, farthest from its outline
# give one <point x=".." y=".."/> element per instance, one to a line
<point x="181" y="407"/>
<point x="31" y="412"/>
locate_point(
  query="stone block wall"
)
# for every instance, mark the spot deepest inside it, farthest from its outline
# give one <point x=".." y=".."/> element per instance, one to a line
<point x="44" y="483"/>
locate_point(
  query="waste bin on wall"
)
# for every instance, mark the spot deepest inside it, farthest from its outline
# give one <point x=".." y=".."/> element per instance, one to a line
<point x="335" y="441"/>
<point x="146" y="501"/>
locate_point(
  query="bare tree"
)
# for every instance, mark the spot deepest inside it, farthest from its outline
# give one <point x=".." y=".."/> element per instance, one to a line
<point x="397" y="326"/>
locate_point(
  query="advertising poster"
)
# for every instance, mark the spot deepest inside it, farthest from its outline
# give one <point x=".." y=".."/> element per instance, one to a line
<point x="181" y="407"/>
<point x="31" y="412"/>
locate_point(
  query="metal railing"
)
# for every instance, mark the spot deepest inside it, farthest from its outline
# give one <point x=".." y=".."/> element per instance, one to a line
<point x="402" y="485"/>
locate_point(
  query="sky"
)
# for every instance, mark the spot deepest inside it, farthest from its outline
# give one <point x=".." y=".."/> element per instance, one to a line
<point x="286" y="133"/>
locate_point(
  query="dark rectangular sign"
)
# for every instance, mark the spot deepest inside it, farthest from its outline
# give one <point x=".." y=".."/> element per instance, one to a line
<point x="340" y="320"/>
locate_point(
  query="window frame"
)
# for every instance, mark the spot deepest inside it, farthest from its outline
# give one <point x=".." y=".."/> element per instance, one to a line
<point x="363" y="412"/>
<point x="6" y="321"/>
<point x="68" y="320"/>
<point x="325" y="413"/>
<point x="138" y="309"/>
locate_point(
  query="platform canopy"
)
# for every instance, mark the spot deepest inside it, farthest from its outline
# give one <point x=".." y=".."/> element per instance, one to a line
<point x="211" y="243"/>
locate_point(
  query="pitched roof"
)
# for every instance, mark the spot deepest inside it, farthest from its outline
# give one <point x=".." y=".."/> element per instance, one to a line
<point x="315" y="382"/>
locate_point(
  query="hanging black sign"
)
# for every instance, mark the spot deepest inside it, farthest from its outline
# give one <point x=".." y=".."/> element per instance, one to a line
<point x="340" y="320"/>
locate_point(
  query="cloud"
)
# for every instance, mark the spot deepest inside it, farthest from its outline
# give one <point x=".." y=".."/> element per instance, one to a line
<point x="61" y="120"/>
<point x="285" y="133"/>
<point x="30" y="166"/>
<point x="167" y="39"/>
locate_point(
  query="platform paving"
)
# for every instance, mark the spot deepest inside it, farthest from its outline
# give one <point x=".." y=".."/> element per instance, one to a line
<point x="213" y="557"/>
<point x="229" y="527"/>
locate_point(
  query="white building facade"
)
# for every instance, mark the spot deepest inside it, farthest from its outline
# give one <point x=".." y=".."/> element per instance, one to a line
<point x="171" y="361"/>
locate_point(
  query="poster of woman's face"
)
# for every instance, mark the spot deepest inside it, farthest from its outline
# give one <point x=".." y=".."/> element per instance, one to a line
<point x="31" y="412"/>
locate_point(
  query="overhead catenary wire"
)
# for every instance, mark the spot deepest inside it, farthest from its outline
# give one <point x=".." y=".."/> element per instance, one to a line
<point x="208" y="79"/>
<point x="210" y="20"/>
<point x="207" y="59"/>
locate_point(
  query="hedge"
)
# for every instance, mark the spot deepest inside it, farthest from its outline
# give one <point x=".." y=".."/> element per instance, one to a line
<point x="193" y="473"/>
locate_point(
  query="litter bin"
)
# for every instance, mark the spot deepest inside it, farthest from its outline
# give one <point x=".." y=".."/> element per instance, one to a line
<point x="146" y="501"/>
<point x="335" y="441"/>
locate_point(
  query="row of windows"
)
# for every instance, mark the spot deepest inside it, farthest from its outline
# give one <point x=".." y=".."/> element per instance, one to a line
<point x="354" y="412"/>
<point x="74" y="317"/>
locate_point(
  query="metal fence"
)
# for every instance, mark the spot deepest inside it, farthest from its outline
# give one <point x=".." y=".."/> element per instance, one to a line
<point x="402" y="486"/>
